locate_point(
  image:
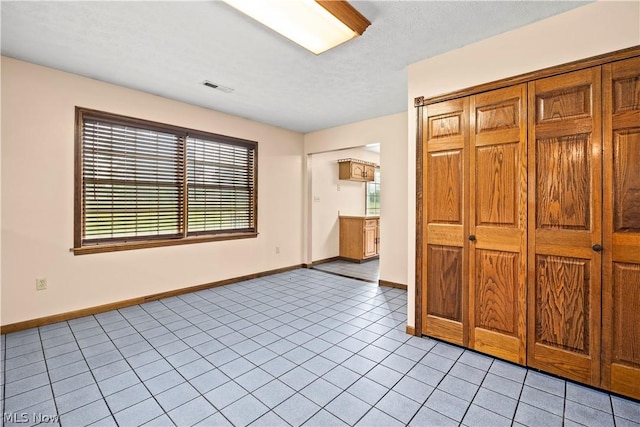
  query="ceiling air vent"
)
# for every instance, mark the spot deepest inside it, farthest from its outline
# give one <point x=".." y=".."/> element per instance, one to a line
<point x="216" y="86"/>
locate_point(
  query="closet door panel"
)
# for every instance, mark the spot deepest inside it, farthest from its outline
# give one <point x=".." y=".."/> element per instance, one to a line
<point x="565" y="234"/>
<point x="621" y="270"/>
<point x="563" y="183"/>
<point x="497" y="223"/>
<point x="562" y="289"/>
<point x="446" y="215"/>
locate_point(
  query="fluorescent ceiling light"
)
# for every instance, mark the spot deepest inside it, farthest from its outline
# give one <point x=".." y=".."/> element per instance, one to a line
<point x="315" y="25"/>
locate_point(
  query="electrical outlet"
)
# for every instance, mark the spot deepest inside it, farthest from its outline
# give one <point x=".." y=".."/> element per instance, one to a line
<point x="41" y="284"/>
<point x="277" y="249"/>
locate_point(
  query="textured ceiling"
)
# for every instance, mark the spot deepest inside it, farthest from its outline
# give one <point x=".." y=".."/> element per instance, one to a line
<point x="169" y="48"/>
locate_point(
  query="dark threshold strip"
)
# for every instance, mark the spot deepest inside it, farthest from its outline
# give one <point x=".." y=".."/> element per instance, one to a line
<point x="345" y="275"/>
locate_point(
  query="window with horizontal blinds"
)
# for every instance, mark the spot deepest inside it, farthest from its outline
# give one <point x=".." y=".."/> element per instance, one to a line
<point x="140" y="181"/>
<point x="220" y="186"/>
<point x="131" y="182"/>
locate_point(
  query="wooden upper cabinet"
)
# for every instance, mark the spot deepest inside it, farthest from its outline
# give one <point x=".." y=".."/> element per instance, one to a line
<point x="356" y="170"/>
<point x="565" y="234"/>
<point x="498" y="223"/>
<point x="445" y="302"/>
<point x="621" y="255"/>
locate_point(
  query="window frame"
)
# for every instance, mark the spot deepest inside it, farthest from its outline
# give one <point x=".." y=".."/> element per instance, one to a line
<point x="140" y="242"/>
<point x="375" y="184"/>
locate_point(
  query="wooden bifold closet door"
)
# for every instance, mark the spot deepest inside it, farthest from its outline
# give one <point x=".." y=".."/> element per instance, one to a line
<point x="565" y="234"/>
<point x="621" y="269"/>
<point x="445" y="139"/>
<point x="498" y="223"/>
<point x="476" y="217"/>
<point x="529" y="220"/>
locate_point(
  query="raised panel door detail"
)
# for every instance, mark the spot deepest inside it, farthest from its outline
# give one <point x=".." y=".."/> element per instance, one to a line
<point x="563" y="182"/>
<point x="445" y="126"/>
<point x="445" y="192"/>
<point x="495" y="305"/>
<point x="357" y="170"/>
<point x="497" y="185"/>
<point x="626" y="180"/>
<point x="370" y="240"/>
<point x="369" y="171"/>
<point x="626" y="94"/>
<point x="444" y="275"/>
<point x="626" y="316"/>
<point x="497" y="117"/>
<point x="574" y="102"/>
<point x="562" y="303"/>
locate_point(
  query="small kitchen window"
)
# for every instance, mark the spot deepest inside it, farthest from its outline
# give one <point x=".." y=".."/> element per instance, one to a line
<point x="372" y="194"/>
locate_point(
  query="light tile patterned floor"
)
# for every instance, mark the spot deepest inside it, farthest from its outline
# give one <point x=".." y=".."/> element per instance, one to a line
<point x="367" y="271"/>
<point x="296" y="348"/>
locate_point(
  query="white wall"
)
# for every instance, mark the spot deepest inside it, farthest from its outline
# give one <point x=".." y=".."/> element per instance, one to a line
<point x="331" y="195"/>
<point x="37" y="199"/>
<point x="590" y="30"/>
<point x="391" y="132"/>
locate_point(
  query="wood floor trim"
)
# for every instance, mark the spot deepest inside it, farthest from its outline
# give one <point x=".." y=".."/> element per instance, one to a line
<point x="411" y="330"/>
<point x="391" y="284"/>
<point x="55" y="318"/>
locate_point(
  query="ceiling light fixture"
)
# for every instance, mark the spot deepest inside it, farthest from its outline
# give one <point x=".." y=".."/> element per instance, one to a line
<point x="315" y="25"/>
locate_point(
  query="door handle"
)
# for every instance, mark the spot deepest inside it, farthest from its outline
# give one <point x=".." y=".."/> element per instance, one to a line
<point x="472" y="238"/>
<point x="597" y="248"/>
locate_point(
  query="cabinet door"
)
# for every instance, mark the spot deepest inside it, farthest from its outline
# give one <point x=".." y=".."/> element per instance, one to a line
<point x="370" y="245"/>
<point x="369" y="172"/>
<point x="621" y="255"/>
<point x="444" y="307"/>
<point x="357" y="171"/>
<point x="565" y="194"/>
<point x="498" y="223"/>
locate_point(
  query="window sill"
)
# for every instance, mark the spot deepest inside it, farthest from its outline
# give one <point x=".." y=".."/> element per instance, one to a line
<point x="127" y="246"/>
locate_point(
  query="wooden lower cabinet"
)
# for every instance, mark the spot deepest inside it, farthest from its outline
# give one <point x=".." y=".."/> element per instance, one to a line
<point x="529" y="223"/>
<point x="359" y="237"/>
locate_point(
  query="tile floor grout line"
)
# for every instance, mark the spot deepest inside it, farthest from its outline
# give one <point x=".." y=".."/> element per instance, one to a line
<point x="55" y="403"/>
<point x="564" y="405"/>
<point x="515" y="410"/>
